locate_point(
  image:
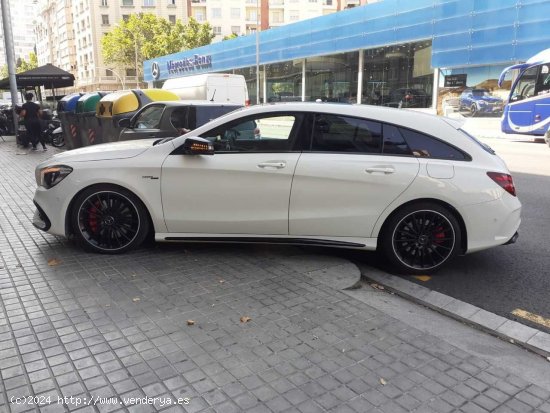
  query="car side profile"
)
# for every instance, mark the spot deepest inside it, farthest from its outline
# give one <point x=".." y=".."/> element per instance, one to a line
<point x="479" y="102"/>
<point x="411" y="185"/>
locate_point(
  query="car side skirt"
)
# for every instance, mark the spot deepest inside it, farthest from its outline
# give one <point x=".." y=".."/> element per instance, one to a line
<point x="337" y="242"/>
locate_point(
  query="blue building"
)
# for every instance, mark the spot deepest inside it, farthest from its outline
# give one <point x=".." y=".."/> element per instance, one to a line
<point x="390" y="52"/>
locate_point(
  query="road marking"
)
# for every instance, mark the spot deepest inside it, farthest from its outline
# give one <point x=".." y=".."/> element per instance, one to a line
<point x="423" y="277"/>
<point x="535" y="318"/>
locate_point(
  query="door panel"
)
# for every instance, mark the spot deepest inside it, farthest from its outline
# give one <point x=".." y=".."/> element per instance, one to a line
<point x="344" y="194"/>
<point x="228" y="193"/>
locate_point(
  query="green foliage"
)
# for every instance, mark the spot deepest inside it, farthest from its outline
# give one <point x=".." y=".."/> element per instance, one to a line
<point x="145" y="36"/>
<point x="21" y="65"/>
<point x="197" y="34"/>
<point x="231" y="36"/>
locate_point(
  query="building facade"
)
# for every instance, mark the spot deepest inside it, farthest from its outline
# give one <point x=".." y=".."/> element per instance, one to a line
<point x="393" y="52"/>
<point x="242" y="17"/>
<point x="69" y="32"/>
<point x="23" y="14"/>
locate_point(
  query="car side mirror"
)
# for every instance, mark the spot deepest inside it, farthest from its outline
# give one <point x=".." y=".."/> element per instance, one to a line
<point x="124" y="123"/>
<point x="198" y="146"/>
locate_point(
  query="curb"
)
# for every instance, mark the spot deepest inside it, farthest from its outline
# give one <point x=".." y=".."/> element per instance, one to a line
<point x="512" y="331"/>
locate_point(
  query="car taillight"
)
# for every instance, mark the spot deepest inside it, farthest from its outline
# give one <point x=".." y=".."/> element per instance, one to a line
<point x="503" y="180"/>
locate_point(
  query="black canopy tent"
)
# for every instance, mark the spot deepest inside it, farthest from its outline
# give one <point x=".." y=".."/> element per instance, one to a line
<point x="49" y="76"/>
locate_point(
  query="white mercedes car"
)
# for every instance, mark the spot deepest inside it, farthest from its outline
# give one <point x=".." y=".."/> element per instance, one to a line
<point x="413" y="186"/>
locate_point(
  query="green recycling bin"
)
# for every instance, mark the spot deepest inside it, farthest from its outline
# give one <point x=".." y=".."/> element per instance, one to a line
<point x="90" y="127"/>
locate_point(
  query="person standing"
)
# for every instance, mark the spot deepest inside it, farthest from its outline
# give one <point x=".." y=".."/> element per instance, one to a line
<point x="32" y="113"/>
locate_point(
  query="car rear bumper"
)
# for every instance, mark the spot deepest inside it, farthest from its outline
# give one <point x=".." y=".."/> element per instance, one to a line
<point x="492" y="223"/>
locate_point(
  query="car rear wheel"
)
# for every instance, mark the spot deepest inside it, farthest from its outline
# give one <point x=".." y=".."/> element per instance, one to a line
<point x="420" y="238"/>
<point x="109" y="219"/>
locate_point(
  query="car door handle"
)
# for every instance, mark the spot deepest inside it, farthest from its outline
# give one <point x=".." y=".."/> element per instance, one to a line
<point x="381" y="169"/>
<point x="275" y="165"/>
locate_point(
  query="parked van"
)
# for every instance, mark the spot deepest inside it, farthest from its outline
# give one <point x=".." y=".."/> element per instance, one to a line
<point x="213" y="87"/>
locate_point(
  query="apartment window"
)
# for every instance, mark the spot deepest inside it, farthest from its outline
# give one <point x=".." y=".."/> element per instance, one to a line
<point x="125" y="17"/>
<point x="327" y="2"/>
<point x="313" y="1"/>
<point x="236" y="29"/>
<point x="127" y="2"/>
<point x="130" y="72"/>
<point x="105" y="19"/>
<point x="216" y="13"/>
<point x="294" y="15"/>
<point x="235" y="13"/>
<point x="104" y="3"/>
<point x="172" y="19"/>
<point x="199" y="15"/>
<point x="148" y="3"/>
<point x="172" y="2"/>
<point x="217" y="30"/>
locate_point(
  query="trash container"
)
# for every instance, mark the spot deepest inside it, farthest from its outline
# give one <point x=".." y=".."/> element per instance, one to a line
<point x="66" y="108"/>
<point x="90" y="128"/>
<point x="124" y="104"/>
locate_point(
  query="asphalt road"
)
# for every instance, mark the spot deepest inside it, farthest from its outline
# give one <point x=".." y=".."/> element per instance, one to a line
<point x="511" y="277"/>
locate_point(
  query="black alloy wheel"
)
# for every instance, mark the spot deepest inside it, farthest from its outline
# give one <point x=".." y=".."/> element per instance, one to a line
<point x="109" y="220"/>
<point x="421" y="238"/>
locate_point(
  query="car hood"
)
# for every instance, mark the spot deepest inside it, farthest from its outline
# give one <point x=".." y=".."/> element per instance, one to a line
<point x="489" y="99"/>
<point x="106" y="151"/>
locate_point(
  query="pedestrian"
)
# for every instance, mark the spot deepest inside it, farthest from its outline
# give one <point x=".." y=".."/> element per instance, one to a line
<point x="32" y="113"/>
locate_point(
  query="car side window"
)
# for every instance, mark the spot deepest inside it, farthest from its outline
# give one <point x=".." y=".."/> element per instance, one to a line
<point x="394" y="143"/>
<point x="179" y="120"/>
<point x="335" y="133"/>
<point x="268" y="133"/>
<point x="149" y="118"/>
<point x="424" y="146"/>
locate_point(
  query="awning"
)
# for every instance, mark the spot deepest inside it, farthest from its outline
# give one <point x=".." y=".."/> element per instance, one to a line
<point x="49" y="76"/>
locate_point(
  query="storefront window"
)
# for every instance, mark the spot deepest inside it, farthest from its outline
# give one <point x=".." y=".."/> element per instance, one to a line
<point x="249" y="74"/>
<point x="332" y="78"/>
<point x="398" y="76"/>
<point x="284" y="81"/>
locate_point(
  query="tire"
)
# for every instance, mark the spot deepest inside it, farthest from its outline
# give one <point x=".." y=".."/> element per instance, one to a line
<point x="420" y="238"/>
<point x="473" y="110"/>
<point x="57" y="140"/>
<point x="108" y="219"/>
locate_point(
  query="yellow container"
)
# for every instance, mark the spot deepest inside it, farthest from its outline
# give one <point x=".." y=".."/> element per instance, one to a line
<point x="128" y="101"/>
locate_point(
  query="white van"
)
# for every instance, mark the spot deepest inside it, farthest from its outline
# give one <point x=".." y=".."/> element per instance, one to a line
<point x="213" y="87"/>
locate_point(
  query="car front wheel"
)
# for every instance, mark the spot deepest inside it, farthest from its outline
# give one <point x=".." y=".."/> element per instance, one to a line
<point x="420" y="238"/>
<point x="109" y="219"/>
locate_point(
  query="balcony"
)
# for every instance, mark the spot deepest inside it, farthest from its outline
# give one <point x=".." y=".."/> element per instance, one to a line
<point x="276" y="4"/>
<point x="194" y="2"/>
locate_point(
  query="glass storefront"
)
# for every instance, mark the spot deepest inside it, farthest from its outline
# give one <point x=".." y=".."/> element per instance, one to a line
<point x="332" y="78"/>
<point x="284" y="81"/>
<point x="398" y="76"/>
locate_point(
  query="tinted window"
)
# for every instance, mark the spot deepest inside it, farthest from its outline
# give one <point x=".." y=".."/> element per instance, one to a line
<point x="394" y="143"/>
<point x="255" y="134"/>
<point x="149" y="118"/>
<point x="334" y="133"/>
<point x="425" y="146"/>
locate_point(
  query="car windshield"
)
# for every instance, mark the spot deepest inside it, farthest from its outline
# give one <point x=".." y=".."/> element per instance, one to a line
<point x="480" y="92"/>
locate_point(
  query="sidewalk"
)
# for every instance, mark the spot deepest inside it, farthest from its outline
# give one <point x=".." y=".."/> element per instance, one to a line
<point x="218" y="328"/>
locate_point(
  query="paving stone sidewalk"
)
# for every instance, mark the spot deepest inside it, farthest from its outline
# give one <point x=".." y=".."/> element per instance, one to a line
<point x="94" y="333"/>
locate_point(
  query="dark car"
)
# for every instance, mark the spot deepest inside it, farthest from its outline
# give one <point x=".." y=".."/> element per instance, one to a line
<point x="480" y="102"/>
<point x="408" y="98"/>
<point x="168" y="119"/>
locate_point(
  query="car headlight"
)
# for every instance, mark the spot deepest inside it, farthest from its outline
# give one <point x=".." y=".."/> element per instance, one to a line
<point x="481" y="103"/>
<point x="51" y="175"/>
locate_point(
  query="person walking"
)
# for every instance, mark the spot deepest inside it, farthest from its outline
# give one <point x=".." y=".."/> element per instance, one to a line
<point x="32" y="113"/>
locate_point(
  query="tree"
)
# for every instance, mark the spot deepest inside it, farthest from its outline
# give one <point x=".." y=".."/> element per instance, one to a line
<point x="230" y="36"/>
<point x="145" y="36"/>
<point x="197" y="34"/>
<point x="21" y="65"/>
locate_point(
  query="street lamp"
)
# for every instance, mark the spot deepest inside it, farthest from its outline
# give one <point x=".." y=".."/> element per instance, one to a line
<point x="120" y="78"/>
<point x="257" y="52"/>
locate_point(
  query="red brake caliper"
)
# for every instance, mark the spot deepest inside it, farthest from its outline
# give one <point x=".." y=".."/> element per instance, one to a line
<point x="439" y="235"/>
<point x="92" y="218"/>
